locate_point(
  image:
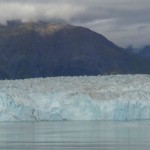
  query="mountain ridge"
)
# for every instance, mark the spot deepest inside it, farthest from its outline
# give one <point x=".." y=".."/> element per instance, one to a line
<point x="43" y="49"/>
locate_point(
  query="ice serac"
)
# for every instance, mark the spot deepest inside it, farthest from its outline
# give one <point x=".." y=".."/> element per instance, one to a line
<point x="119" y="97"/>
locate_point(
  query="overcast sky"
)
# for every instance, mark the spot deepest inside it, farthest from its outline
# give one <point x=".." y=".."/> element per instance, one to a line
<point x="125" y="22"/>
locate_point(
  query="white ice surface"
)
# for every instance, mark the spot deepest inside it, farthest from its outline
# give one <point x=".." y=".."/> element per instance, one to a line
<point x="121" y="97"/>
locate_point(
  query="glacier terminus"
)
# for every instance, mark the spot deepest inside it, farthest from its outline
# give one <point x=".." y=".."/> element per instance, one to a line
<point x="114" y="97"/>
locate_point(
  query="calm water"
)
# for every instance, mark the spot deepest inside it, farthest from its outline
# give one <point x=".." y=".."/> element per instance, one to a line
<point x="72" y="135"/>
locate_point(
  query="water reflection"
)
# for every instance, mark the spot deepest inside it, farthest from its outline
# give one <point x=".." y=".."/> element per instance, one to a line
<point x="71" y="135"/>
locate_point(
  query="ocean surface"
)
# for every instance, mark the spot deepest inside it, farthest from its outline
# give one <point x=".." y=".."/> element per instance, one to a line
<point x="72" y="135"/>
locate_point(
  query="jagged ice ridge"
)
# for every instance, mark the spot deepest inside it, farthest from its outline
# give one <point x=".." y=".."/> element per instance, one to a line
<point x="118" y="97"/>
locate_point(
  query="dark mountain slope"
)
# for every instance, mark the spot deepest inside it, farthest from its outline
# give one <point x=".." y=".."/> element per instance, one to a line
<point x="43" y="49"/>
<point x="145" y="52"/>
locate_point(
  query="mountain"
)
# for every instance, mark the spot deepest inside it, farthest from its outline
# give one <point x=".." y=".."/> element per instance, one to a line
<point x="145" y="52"/>
<point x="42" y="49"/>
<point x="131" y="49"/>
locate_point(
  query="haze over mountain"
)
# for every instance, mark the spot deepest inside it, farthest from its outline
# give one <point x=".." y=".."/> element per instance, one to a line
<point x="42" y="49"/>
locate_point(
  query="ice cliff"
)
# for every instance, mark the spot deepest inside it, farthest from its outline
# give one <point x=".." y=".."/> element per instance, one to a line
<point x="119" y="97"/>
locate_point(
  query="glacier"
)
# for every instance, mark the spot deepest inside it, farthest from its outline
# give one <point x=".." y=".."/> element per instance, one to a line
<point x="114" y="97"/>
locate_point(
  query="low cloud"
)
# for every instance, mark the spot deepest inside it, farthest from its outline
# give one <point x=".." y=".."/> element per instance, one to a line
<point x="125" y="22"/>
<point x="37" y="11"/>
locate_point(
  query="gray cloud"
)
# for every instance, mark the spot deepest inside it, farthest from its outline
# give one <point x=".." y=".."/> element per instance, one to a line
<point x="125" y="22"/>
